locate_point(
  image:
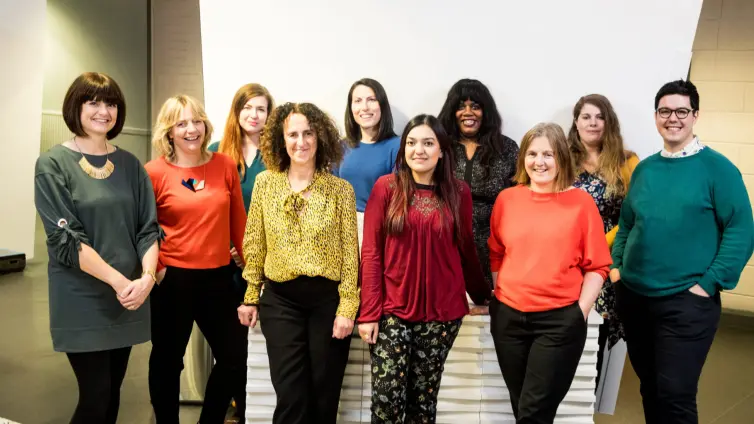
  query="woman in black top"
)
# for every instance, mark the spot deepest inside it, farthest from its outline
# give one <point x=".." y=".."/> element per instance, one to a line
<point x="484" y="157"/>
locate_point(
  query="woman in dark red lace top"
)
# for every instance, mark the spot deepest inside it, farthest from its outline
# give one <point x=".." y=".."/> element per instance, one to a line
<point x="418" y="261"/>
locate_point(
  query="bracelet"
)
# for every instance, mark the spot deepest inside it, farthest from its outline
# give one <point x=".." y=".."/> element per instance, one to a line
<point x="151" y="274"/>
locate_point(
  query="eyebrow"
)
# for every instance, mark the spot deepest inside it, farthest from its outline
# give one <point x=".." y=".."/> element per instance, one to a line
<point x="423" y="139"/>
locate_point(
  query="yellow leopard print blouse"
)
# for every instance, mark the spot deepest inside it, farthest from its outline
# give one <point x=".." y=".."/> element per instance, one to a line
<point x="289" y="236"/>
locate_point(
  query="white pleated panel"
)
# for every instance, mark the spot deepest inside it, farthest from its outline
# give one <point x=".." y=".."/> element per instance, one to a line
<point x="472" y="390"/>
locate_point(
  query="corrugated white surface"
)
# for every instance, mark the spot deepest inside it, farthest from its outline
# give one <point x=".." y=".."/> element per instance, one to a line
<point x="472" y="389"/>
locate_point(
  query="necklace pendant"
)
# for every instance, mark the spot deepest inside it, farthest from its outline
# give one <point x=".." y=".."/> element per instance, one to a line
<point x="97" y="173"/>
<point x="199" y="185"/>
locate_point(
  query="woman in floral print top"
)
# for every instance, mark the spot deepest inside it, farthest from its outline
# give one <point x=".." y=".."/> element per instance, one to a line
<point x="603" y="170"/>
<point x="484" y="158"/>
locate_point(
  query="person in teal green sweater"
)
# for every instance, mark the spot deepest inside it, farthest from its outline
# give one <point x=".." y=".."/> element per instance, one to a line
<point x="686" y="233"/>
<point x="243" y="129"/>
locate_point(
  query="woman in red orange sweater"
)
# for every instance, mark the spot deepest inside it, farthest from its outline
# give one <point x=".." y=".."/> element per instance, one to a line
<point x="200" y="207"/>
<point x="418" y="261"/>
<point x="549" y="259"/>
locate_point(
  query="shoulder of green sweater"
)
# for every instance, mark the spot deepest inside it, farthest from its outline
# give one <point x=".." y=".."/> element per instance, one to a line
<point x="214" y="146"/>
<point x="647" y="162"/>
<point x="720" y="164"/>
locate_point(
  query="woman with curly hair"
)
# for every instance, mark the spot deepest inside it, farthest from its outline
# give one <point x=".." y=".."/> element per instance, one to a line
<point x="484" y="157"/>
<point x="603" y="169"/>
<point x="301" y="244"/>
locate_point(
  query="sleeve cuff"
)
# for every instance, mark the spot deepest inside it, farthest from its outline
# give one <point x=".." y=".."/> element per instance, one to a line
<point x="708" y="285"/>
<point x="252" y="294"/>
<point x="348" y="308"/>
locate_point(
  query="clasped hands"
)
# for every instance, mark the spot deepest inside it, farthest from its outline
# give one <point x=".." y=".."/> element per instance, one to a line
<point x="132" y="294"/>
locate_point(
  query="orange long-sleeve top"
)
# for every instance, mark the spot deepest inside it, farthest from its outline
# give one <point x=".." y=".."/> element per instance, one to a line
<point x="542" y="244"/>
<point x="199" y="225"/>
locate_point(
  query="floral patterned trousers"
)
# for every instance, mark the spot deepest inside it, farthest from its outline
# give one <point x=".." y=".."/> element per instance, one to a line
<point x="407" y="363"/>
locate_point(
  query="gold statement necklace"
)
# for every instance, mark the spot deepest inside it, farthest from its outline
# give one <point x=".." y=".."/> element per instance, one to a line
<point x="97" y="173"/>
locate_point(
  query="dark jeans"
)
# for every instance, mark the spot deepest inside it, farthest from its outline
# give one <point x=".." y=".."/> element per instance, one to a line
<point x="206" y="296"/>
<point x="99" y="376"/>
<point x="407" y="364"/>
<point x="668" y="339"/>
<point x="538" y="353"/>
<point x="307" y="364"/>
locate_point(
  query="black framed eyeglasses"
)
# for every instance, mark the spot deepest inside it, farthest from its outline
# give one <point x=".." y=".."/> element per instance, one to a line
<point x="681" y="113"/>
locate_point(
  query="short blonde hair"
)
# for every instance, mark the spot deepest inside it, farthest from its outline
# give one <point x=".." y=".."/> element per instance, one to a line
<point x="557" y="138"/>
<point x="170" y="114"/>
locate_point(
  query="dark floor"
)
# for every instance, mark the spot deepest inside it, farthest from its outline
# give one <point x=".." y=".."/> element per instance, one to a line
<point x="37" y="385"/>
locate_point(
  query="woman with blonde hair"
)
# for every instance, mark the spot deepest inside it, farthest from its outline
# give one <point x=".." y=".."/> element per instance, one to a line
<point x="200" y="208"/>
<point x="603" y="169"/>
<point x="301" y="244"/>
<point x="549" y="260"/>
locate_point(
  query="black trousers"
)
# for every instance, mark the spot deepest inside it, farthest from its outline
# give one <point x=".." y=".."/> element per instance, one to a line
<point x="99" y="376"/>
<point x="538" y="353"/>
<point x="668" y="339"/>
<point x="307" y="364"/>
<point x="206" y="296"/>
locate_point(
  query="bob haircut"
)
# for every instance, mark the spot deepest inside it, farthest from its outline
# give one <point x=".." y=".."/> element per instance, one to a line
<point x="555" y="135"/>
<point x="169" y="116"/>
<point x="232" y="141"/>
<point x="98" y="87"/>
<point x="272" y="143"/>
<point x="353" y="131"/>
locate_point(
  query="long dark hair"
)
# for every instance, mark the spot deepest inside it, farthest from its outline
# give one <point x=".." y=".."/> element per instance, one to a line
<point x="490" y="136"/>
<point x="446" y="187"/>
<point x="353" y="130"/>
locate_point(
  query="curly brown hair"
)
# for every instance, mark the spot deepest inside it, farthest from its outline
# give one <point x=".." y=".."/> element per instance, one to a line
<point x="272" y="143"/>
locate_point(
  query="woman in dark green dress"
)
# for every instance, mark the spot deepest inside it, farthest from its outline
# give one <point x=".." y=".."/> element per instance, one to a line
<point x="98" y="210"/>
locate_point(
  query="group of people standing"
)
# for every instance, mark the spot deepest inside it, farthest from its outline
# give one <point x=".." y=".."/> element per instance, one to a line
<point x="285" y="223"/>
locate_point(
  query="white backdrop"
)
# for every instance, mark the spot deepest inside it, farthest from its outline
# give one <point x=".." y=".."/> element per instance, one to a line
<point x="537" y="56"/>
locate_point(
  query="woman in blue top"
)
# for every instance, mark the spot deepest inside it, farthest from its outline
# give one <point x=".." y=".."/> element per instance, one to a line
<point x="371" y="143"/>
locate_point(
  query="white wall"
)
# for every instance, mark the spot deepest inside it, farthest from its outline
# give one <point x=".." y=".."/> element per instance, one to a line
<point x="537" y="57"/>
<point x="22" y="29"/>
<point x="110" y="36"/>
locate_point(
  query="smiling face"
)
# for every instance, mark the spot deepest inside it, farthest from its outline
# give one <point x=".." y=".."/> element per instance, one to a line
<point x="98" y="117"/>
<point x="253" y="116"/>
<point x="422" y="152"/>
<point x="300" y="140"/>
<point x="188" y="133"/>
<point x="541" y="165"/>
<point x="365" y="107"/>
<point x="676" y="131"/>
<point x="591" y="125"/>
<point x="469" y="118"/>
